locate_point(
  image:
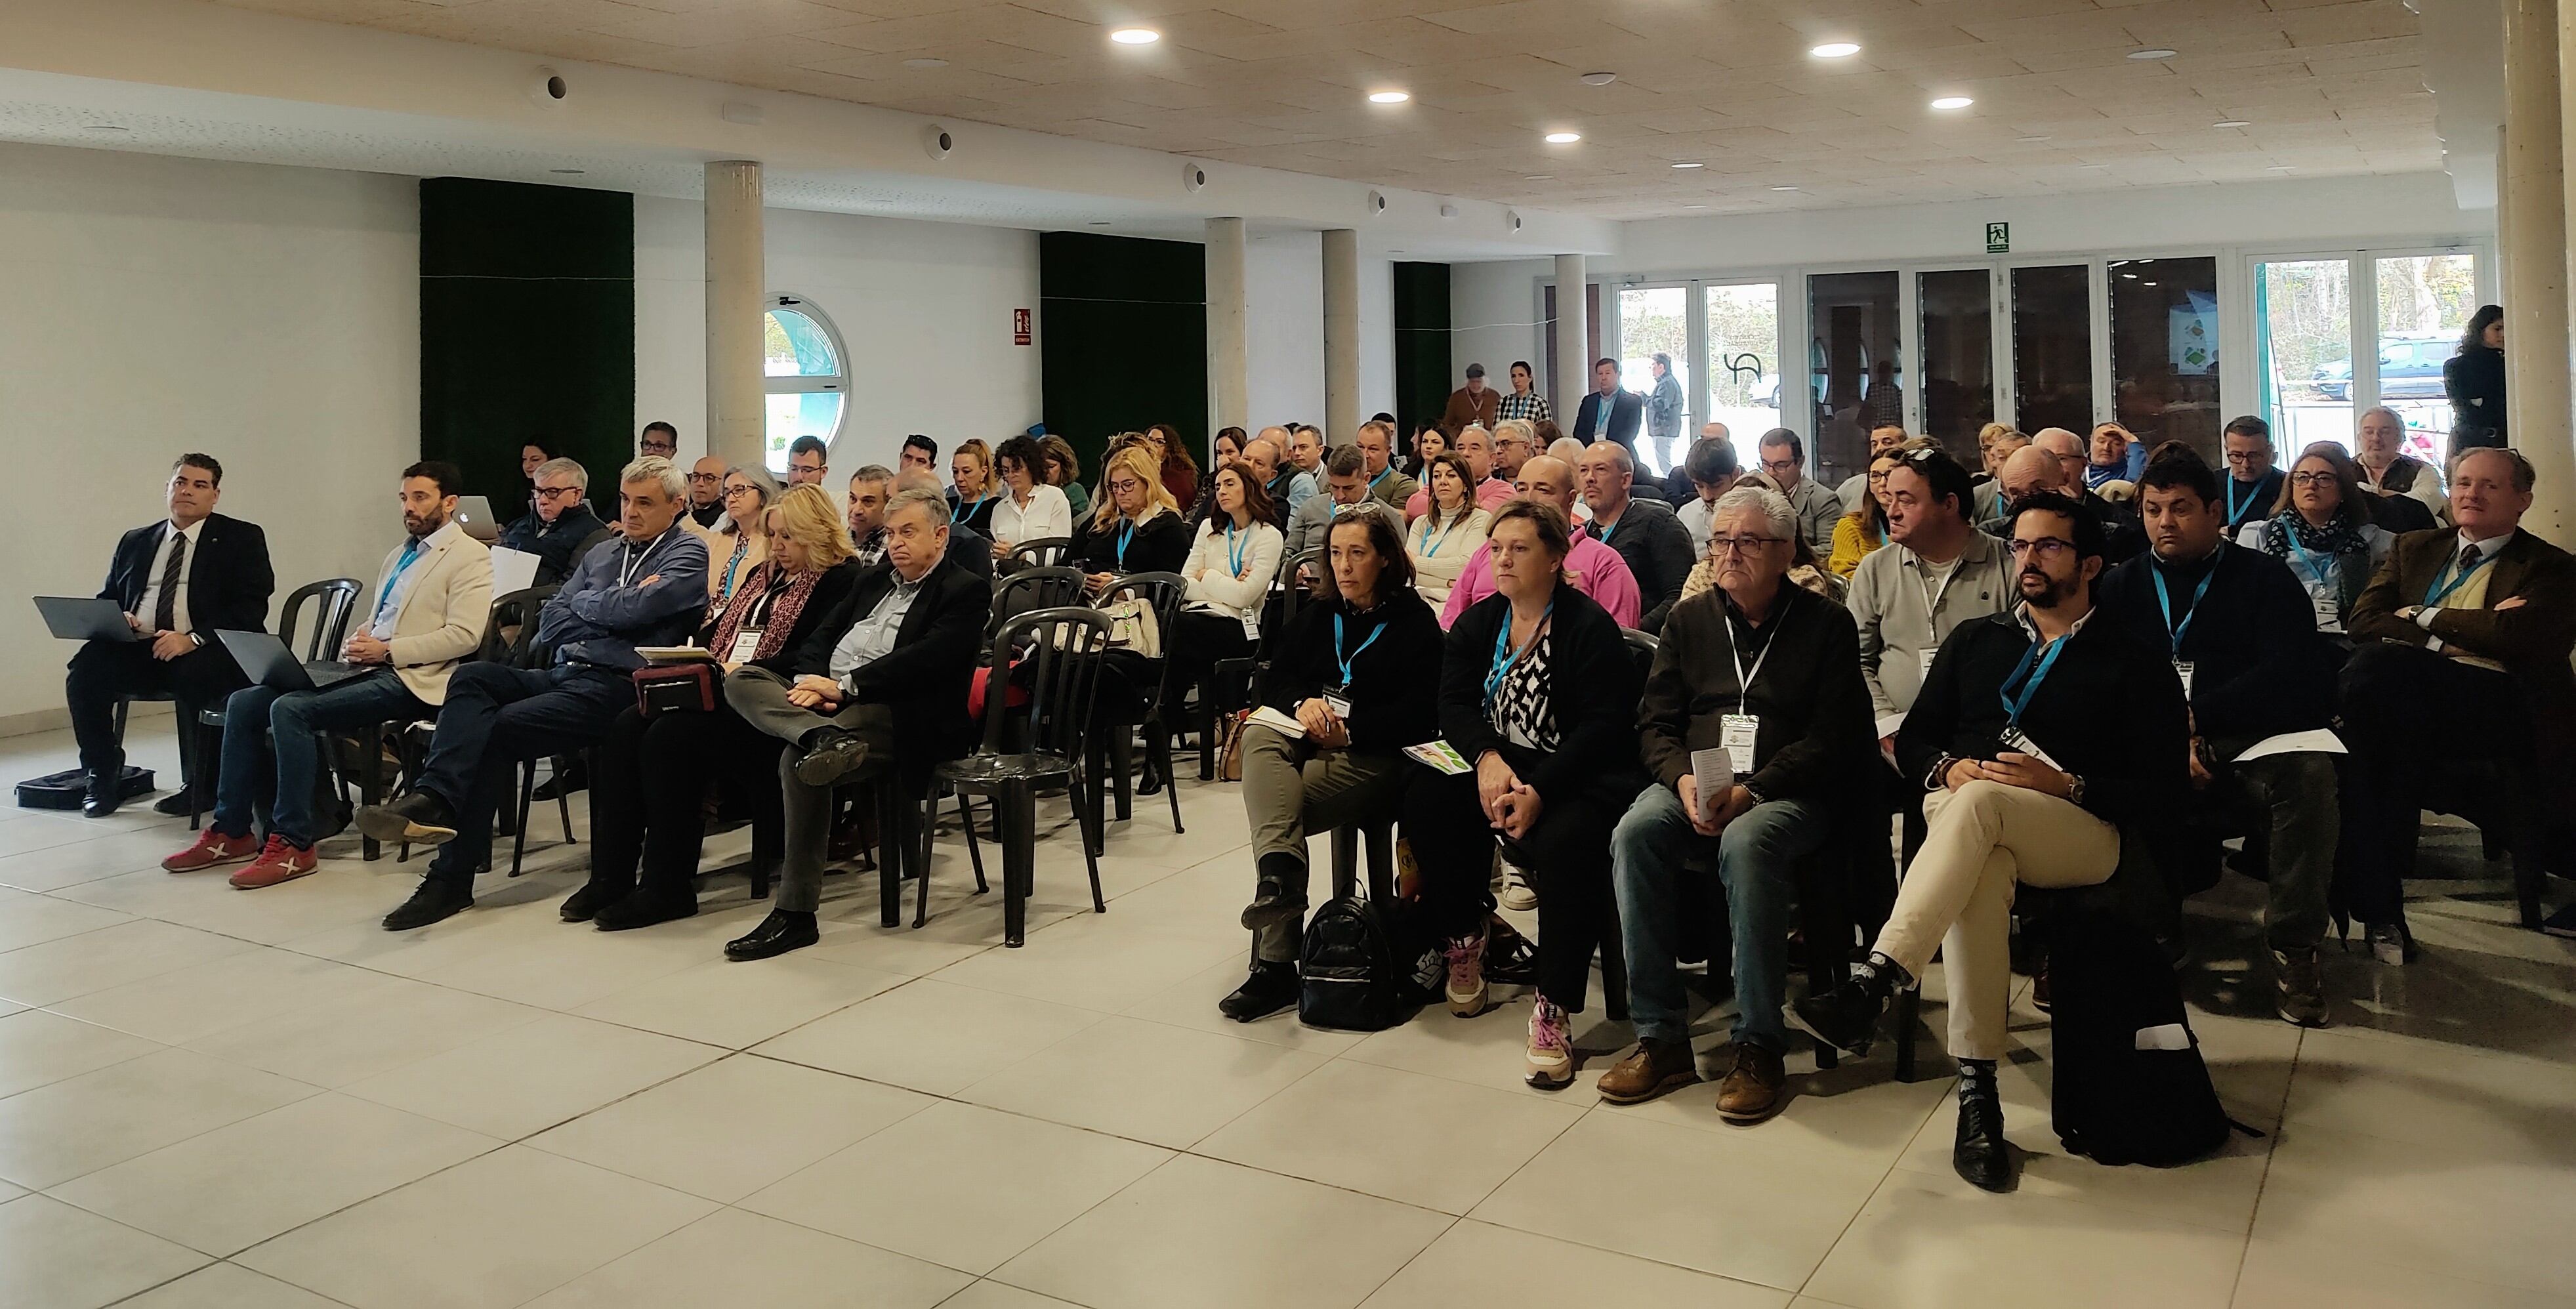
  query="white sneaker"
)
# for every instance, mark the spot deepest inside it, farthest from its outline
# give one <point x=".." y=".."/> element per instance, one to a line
<point x="1517" y="893"/>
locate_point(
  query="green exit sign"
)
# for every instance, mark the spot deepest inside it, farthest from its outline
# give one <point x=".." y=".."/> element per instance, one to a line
<point x="1998" y="238"/>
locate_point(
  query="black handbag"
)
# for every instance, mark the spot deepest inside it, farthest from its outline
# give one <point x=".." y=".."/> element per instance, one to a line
<point x="676" y="689"/>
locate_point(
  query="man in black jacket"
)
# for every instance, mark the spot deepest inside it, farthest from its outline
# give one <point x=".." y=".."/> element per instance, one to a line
<point x="1757" y="687"/>
<point x="890" y="665"/>
<point x="562" y="527"/>
<point x="2037" y="735"/>
<point x="1608" y="412"/>
<point x="179" y="582"/>
<point x="2243" y="636"/>
<point x="1646" y="535"/>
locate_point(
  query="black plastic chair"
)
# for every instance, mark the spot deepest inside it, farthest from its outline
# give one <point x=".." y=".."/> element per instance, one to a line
<point x="509" y="637"/>
<point x="1065" y="646"/>
<point x="1030" y="590"/>
<point x="1164" y="593"/>
<point x="337" y="599"/>
<point x="1045" y="552"/>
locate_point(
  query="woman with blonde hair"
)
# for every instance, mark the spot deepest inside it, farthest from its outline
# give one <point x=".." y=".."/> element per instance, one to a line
<point x="974" y="492"/>
<point x="649" y="785"/>
<point x="1861" y="532"/>
<point x="1136" y="527"/>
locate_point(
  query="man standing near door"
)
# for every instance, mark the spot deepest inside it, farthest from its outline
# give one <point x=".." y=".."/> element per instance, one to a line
<point x="1608" y="413"/>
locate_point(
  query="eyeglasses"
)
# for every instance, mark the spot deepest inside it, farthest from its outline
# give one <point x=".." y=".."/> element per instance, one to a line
<point x="550" y="492"/>
<point x="740" y="488"/>
<point x="1779" y="465"/>
<point x="1740" y="545"/>
<point x="2312" y="479"/>
<point x="706" y="477"/>
<point x="2046" y="547"/>
<point x="2240" y="458"/>
<point x="1126" y="485"/>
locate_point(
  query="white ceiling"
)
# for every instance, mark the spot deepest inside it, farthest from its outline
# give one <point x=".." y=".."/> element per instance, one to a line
<point x="2329" y="87"/>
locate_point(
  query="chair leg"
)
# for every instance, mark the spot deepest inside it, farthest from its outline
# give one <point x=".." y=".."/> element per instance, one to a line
<point x="1091" y="860"/>
<point x="192" y="771"/>
<point x="966" y="819"/>
<point x="371" y="785"/>
<point x="1207" y="732"/>
<point x="1614" y="971"/>
<point x="890" y="861"/>
<point x="563" y="798"/>
<point x="527" y="793"/>
<point x="1162" y="746"/>
<point x="1019" y="853"/>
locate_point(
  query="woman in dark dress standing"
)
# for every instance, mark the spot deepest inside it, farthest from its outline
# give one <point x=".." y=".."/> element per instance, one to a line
<point x="2473" y="377"/>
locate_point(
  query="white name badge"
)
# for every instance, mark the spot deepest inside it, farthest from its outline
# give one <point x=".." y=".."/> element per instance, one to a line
<point x="1339" y="703"/>
<point x="1735" y="735"/>
<point x="1251" y="628"/>
<point x="746" y="646"/>
<point x="1926" y="670"/>
<point x="2016" y="741"/>
<point x="2329" y="615"/>
<point x="2182" y="669"/>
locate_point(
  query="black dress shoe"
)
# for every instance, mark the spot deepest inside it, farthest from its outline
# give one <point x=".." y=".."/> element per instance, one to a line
<point x="437" y="898"/>
<point x="420" y="818"/>
<point x="1273" y="903"/>
<point x="783" y="930"/>
<point x="834" y="754"/>
<point x="174" y="805"/>
<point x="594" y="895"/>
<point x="106" y="792"/>
<point x="1846" y="1017"/>
<point x="646" y="907"/>
<point x="1270" y="988"/>
<point x="1980" y="1154"/>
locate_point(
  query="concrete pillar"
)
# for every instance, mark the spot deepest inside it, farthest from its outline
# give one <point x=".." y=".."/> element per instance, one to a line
<point x="2535" y="299"/>
<point x="1573" y="357"/>
<point x="1341" y="336"/>
<point x="737" y="287"/>
<point x="1229" y="361"/>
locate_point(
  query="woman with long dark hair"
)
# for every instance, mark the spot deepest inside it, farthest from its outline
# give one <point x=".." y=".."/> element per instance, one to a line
<point x="1180" y="473"/>
<point x="2473" y="377"/>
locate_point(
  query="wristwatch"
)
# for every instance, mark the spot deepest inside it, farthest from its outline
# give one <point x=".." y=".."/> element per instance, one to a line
<point x="2074" y="790"/>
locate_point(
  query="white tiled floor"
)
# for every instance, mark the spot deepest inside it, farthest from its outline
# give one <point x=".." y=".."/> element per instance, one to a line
<point x="217" y="1098"/>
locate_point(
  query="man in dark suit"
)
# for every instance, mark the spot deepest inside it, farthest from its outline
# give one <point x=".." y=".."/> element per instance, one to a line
<point x="2464" y="639"/>
<point x="1608" y="413"/>
<point x="561" y="529"/>
<point x="179" y="582"/>
<point x="891" y="664"/>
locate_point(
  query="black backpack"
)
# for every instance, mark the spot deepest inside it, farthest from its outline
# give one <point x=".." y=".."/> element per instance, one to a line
<point x="1366" y="965"/>
<point x="2111" y="992"/>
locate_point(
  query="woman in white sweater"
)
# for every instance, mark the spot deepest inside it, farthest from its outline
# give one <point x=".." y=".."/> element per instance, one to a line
<point x="1030" y="510"/>
<point x="1443" y="539"/>
<point x="1231" y="564"/>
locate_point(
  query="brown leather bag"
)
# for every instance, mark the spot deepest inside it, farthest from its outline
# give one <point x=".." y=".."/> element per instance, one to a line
<point x="1229" y="745"/>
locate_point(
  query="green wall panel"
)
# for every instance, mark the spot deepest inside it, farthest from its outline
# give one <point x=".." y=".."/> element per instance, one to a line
<point x="1423" y="377"/>
<point x="1124" y="339"/>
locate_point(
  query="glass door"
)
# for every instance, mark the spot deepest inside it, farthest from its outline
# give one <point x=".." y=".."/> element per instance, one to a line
<point x="2424" y="306"/>
<point x="1654" y="335"/>
<point x="2052" y="342"/>
<point x="2164" y="352"/>
<point x="1957" y="346"/>
<point x="2304" y="350"/>
<point x="1743" y="369"/>
<point x="1856" y="375"/>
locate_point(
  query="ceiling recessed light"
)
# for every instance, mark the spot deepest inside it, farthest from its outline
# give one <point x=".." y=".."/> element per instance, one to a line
<point x="1694" y="206"/>
<point x="1835" y="50"/>
<point x="1952" y="102"/>
<point x="105" y="127"/>
<point x="1389" y="97"/>
<point x="1598" y="79"/>
<point x="1100" y="222"/>
<point x="1135" y="36"/>
<point x="1690" y="165"/>
<point x="2031" y="140"/>
<point x="1784" y="188"/>
<point x="1540" y="177"/>
<point x="2129" y="275"/>
<point x="925" y="63"/>
<point x="2157" y="52"/>
<point x="2279" y="168"/>
<point x="2232" y="122"/>
<point x="568" y="172"/>
<point x="1563" y="138"/>
<point x="2146" y="284"/>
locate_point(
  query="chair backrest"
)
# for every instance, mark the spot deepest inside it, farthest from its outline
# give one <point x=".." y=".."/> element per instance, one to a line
<point x="1045" y="552"/>
<point x="1065" y="646"/>
<point x="1032" y="589"/>
<point x="1291" y="594"/>
<point x="1641" y="647"/>
<point x="1165" y="594"/>
<point x="334" y="599"/>
<point x="513" y="627"/>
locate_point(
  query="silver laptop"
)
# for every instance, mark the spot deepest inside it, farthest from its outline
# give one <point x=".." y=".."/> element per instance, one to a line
<point x="474" y="514"/>
<point x="266" y="660"/>
<point x="85" y="618"/>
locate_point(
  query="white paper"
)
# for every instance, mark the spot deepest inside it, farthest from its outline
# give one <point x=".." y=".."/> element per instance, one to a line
<point x="1888" y="723"/>
<point x="1713" y="770"/>
<point x="512" y="570"/>
<point x="2320" y="741"/>
<point x="2168" y="1036"/>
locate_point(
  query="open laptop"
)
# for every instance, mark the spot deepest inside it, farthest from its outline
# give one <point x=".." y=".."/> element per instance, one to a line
<point x="85" y="618"/>
<point x="266" y="660"/>
<point x="474" y="514"/>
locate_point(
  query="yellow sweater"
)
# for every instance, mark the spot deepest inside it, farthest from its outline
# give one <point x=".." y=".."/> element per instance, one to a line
<point x="1852" y="543"/>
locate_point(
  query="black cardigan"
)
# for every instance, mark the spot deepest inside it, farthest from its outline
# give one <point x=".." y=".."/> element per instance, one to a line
<point x="926" y="674"/>
<point x="2259" y="665"/>
<point x="1651" y="540"/>
<point x="1388" y="708"/>
<point x="1592" y="684"/>
<point x="1161" y="545"/>
<point x="1817" y="732"/>
<point x="831" y="590"/>
<point x="2476" y="374"/>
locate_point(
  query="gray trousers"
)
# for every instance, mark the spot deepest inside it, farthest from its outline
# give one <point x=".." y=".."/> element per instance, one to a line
<point x="760" y="696"/>
<point x="2294" y="797"/>
<point x="1291" y="788"/>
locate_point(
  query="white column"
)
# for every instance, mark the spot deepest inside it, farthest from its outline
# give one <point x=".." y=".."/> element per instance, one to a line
<point x="737" y="408"/>
<point x="2535" y="296"/>
<point x="1341" y="336"/>
<point x="1573" y="362"/>
<point x="1229" y="361"/>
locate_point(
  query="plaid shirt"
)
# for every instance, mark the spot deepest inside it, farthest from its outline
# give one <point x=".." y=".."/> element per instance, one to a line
<point x="871" y="548"/>
<point x="1531" y="407"/>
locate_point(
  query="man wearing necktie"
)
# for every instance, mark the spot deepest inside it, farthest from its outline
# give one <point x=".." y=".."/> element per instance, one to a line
<point x="430" y="603"/>
<point x="178" y="581"/>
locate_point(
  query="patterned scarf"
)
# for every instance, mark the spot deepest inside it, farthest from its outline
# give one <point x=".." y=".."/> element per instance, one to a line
<point x="782" y="611"/>
<point x="2335" y="538"/>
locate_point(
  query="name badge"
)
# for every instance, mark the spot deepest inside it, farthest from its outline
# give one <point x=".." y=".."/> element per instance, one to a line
<point x="2019" y="742"/>
<point x="2329" y="615"/>
<point x="1251" y="628"/>
<point x="746" y="646"/>
<point x="1338" y="700"/>
<point x="2182" y="669"/>
<point x="1735" y="735"/>
<point x="1926" y="669"/>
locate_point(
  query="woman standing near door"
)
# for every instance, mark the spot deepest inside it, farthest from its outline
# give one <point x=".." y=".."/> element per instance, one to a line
<point x="2473" y="377"/>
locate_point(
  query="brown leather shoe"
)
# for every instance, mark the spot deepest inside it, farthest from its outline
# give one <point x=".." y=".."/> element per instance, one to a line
<point x="1750" y="1091"/>
<point x="1652" y="1069"/>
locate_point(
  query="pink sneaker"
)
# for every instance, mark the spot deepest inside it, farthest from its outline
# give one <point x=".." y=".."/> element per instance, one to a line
<point x="212" y="848"/>
<point x="1465" y="956"/>
<point x="1551" y="1046"/>
<point x="277" y="862"/>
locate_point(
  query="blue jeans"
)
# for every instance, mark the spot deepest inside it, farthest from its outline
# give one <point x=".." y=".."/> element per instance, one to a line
<point x="496" y="716"/>
<point x="258" y="715"/>
<point x="1757" y="858"/>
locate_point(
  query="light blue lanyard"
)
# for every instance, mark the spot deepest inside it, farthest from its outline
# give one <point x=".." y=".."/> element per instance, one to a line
<point x="2035" y="668"/>
<point x="1381" y="476"/>
<point x="1125" y="534"/>
<point x="2436" y="595"/>
<point x="1431" y="548"/>
<point x="1233" y="552"/>
<point x="2234" y="517"/>
<point x="411" y="551"/>
<point x="1345" y="659"/>
<point x="964" y="511"/>
<point x="1602" y="534"/>
<point x="1504" y="656"/>
<point x="2164" y="601"/>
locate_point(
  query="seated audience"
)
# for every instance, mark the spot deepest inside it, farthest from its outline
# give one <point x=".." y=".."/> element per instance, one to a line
<point x="658" y="440"/>
<point x="2113" y="455"/>
<point x="706" y="492"/>
<point x="1028" y="509"/>
<point x="1306" y="455"/>
<point x="1284" y="471"/>
<point x="1537" y="692"/>
<point x="1064" y="472"/>
<point x="2480" y="623"/>
<point x="918" y="452"/>
<point x="1180" y="473"/>
<point x="870" y="487"/>
<point x="1229" y="448"/>
<point x="738" y="545"/>
<point x="560" y="526"/>
<point x="883" y="677"/>
<point x="1345" y="491"/>
<point x="432" y="600"/>
<point x="806" y="462"/>
<point x="1790" y="740"/>
<point x="1376" y="442"/>
<point x="2033" y="469"/>
<point x="649" y="788"/>
<point x="967" y="547"/>
<point x="1136" y="528"/>
<point x="1864" y="530"/>
<point x="2022" y="784"/>
<point x="1476" y="446"/>
<point x="2387" y="471"/>
<point x="1653" y="543"/>
<point x="973" y="490"/>
<point x="1996" y="444"/>
<point x="1451" y="533"/>
<point x="1850" y="494"/>
<point x="179" y="581"/>
<point x="2243" y="638"/>
<point x="1784" y="460"/>
<point x="1232" y="563"/>
<point x="2321" y="528"/>
<point x="532" y="456"/>
<point x="1352" y="671"/>
<point x="1711" y="469"/>
<point x="1428" y="443"/>
<point x="2253" y="485"/>
<point x="1939" y="572"/>
<point x="646" y="587"/>
<point x="2068" y="448"/>
<point x="1598" y="570"/>
<point x="1514" y="442"/>
<point x="1263" y="459"/>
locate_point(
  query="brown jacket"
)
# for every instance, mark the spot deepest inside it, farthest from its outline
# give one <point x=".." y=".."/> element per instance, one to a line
<point x="1463" y="409"/>
<point x="2532" y="640"/>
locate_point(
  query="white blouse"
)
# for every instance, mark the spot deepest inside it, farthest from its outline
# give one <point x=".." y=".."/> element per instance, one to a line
<point x="1048" y="514"/>
<point x="1230" y="569"/>
<point x="1440" y="554"/>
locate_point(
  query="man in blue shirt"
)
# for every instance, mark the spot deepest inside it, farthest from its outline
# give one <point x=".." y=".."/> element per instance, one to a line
<point x="646" y="586"/>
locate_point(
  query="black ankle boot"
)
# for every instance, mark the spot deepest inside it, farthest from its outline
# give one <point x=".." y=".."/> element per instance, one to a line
<point x="1846" y="1017"/>
<point x="1980" y="1154"/>
<point x="1279" y="897"/>
<point x="1271" y="988"/>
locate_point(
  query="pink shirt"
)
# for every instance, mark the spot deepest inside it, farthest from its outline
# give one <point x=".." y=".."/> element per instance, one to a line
<point x="1490" y="494"/>
<point x="1598" y="571"/>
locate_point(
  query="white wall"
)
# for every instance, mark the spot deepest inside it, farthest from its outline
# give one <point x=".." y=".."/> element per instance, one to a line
<point x="923" y="308"/>
<point x="148" y="306"/>
<point x="1377" y="334"/>
<point x="1283" y="327"/>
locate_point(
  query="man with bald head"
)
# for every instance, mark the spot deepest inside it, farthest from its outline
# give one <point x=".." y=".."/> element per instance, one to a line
<point x="2033" y="469"/>
<point x="1598" y="570"/>
<point x="706" y="492"/>
<point x="2069" y="449"/>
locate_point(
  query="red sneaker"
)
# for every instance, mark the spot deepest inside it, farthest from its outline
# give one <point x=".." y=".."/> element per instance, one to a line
<point x="277" y="862"/>
<point x="212" y="848"/>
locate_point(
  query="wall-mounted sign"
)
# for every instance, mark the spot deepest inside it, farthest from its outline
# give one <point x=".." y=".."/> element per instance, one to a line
<point x="1998" y="238"/>
<point x="1019" y="327"/>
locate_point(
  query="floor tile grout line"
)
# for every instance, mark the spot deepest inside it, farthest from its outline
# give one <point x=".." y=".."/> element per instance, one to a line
<point x="2271" y="1150"/>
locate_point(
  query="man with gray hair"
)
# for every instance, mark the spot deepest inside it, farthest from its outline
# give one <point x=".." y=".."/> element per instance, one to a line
<point x="1784" y="460"/>
<point x="1646" y="535"/>
<point x="646" y="586"/>
<point x="1515" y="440"/>
<point x="870" y="488"/>
<point x="1753" y="721"/>
<point x="967" y="548"/>
<point x="562" y="528"/>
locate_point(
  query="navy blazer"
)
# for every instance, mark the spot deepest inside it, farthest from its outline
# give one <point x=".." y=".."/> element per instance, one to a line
<point x="1627" y="413"/>
<point x="229" y="578"/>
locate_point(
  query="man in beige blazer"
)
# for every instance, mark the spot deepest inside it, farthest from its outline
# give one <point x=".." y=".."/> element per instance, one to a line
<point x="424" y="616"/>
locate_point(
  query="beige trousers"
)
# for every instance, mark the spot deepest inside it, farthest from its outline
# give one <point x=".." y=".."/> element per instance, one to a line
<point x="1982" y="839"/>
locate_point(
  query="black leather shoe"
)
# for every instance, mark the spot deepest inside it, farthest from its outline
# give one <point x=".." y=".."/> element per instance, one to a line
<point x="1270" y="988"/>
<point x="834" y="754"/>
<point x="420" y="818"/>
<point x="437" y="898"/>
<point x="783" y="930"/>
<point x="174" y="805"/>
<point x="1980" y="1154"/>
<point x="1845" y="1017"/>
<point x="1273" y="902"/>
<point x="106" y="792"/>
<point x="646" y="907"/>
<point x="582" y="905"/>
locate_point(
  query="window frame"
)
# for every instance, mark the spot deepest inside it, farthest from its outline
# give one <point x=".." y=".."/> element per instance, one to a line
<point x="836" y="383"/>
